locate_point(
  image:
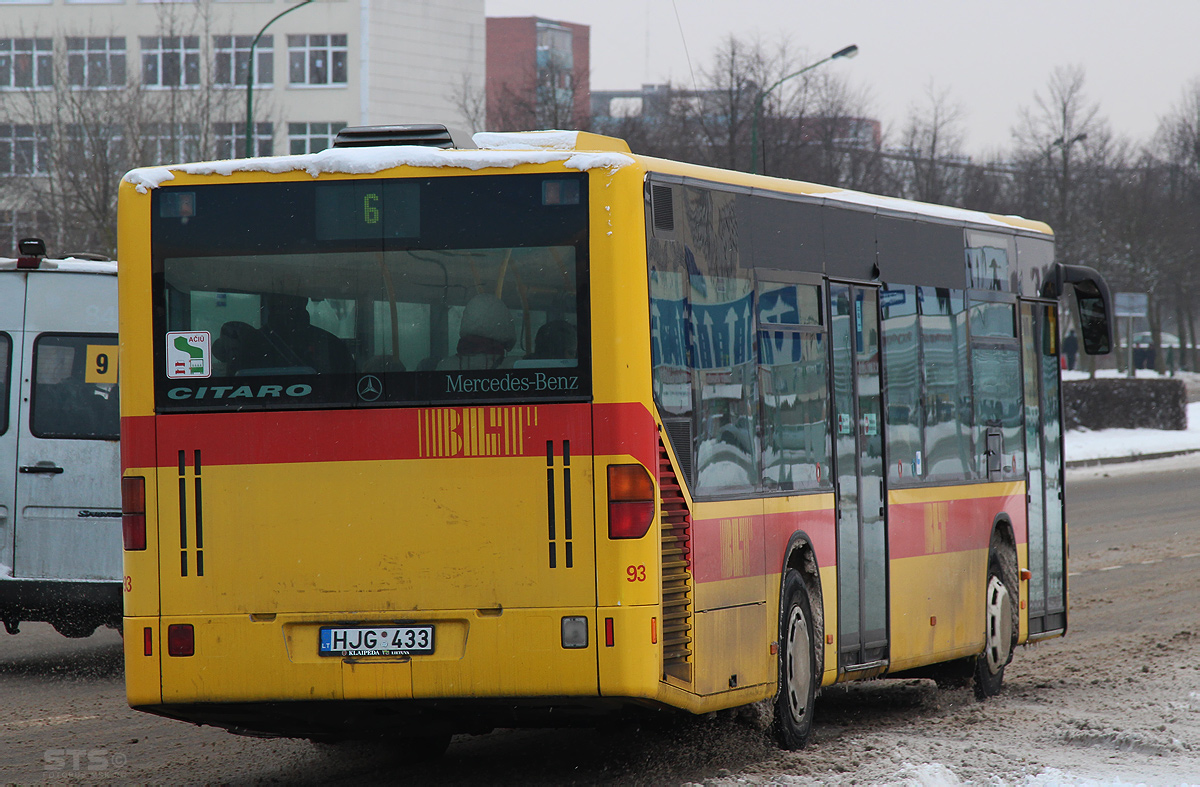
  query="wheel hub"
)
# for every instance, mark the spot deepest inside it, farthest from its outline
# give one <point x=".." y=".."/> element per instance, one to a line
<point x="799" y="664"/>
<point x="999" y="625"/>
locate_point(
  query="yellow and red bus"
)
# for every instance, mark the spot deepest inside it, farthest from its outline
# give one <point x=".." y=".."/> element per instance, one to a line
<point x="425" y="439"/>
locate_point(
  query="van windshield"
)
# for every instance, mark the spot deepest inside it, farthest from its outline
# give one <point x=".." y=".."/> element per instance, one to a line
<point x="473" y="292"/>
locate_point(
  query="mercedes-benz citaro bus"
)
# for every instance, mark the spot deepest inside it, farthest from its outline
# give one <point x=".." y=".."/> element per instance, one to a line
<point x="420" y="439"/>
<point x="60" y="535"/>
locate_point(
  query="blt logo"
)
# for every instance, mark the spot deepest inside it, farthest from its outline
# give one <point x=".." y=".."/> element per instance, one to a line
<point x="189" y="354"/>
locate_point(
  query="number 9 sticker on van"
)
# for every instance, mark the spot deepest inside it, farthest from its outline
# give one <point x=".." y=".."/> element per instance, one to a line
<point x="189" y="354"/>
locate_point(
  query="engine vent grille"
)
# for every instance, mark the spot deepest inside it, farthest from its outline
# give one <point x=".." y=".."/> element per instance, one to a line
<point x="679" y="430"/>
<point x="676" y="572"/>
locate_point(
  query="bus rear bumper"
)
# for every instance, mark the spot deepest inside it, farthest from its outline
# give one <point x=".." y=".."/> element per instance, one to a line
<point x="333" y="721"/>
<point x="265" y="674"/>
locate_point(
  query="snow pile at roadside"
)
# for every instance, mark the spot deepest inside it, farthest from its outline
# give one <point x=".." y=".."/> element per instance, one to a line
<point x="1084" y="445"/>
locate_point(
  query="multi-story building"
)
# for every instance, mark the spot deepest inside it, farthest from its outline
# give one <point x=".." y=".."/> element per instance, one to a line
<point x="139" y="82"/>
<point x="537" y="74"/>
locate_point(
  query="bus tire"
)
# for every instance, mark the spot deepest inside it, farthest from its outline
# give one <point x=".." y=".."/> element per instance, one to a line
<point x="998" y="635"/>
<point x="798" y="667"/>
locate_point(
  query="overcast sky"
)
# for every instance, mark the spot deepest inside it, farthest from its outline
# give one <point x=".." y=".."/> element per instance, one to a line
<point x="1138" y="55"/>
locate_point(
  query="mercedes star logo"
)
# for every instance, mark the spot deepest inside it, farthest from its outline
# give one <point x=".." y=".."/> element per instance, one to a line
<point x="369" y="388"/>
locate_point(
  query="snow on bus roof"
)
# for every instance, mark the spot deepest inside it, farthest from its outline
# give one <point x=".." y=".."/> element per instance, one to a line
<point x="511" y="149"/>
<point x="368" y="160"/>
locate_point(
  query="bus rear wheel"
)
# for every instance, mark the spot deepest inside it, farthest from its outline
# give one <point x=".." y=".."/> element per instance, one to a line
<point x="998" y="636"/>
<point x="798" y="669"/>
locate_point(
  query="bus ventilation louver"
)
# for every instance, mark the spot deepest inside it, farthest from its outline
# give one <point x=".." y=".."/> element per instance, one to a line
<point x="662" y="205"/>
<point x="676" y="572"/>
<point x="426" y="136"/>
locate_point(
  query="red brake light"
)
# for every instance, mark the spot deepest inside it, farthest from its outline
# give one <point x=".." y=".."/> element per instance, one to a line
<point x="630" y="501"/>
<point x="148" y="641"/>
<point x="181" y="639"/>
<point x="133" y="512"/>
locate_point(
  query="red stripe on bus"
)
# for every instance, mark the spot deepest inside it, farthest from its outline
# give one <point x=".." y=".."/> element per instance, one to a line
<point x="137" y="441"/>
<point x="625" y="428"/>
<point x="932" y="528"/>
<point x="392" y="434"/>
<point x="360" y="435"/>
<point x="733" y="547"/>
<point x="752" y="546"/>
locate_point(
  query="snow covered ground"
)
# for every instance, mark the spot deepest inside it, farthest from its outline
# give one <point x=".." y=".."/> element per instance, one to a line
<point x="1110" y="444"/>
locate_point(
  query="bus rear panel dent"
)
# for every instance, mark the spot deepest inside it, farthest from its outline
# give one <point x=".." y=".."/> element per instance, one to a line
<point x="405" y="473"/>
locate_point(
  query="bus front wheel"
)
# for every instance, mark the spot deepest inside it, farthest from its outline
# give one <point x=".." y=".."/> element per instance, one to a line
<point x="998" y="638"/>
<point x="798" y="669"/>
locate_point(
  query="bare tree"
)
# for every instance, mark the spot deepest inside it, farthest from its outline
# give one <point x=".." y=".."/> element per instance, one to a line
<point x="1060" y="118"/>
<point x="471" y="102"/>
<point x="90" y="131"/>
<point x="1178" y="146"/>
<point x="932" y="142"/>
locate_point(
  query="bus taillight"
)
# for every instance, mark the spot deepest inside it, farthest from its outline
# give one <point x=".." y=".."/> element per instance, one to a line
<point x="181" y="639"/>
<point x="630" y="501"/>
<point x="133" y="512"/>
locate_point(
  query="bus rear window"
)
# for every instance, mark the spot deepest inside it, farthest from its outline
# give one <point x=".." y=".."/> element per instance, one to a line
<point x="427" y="312"/>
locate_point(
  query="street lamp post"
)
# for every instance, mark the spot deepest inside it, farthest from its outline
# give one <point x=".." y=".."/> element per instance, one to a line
<point x="849" y="51"/>
<point x="249" y="149"/>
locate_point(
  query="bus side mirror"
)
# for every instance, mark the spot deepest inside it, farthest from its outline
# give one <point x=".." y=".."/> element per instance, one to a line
<point x="1094" y="303"/>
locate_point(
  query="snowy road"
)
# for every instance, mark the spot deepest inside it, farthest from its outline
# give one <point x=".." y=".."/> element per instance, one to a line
<point x="1116" y="701"/>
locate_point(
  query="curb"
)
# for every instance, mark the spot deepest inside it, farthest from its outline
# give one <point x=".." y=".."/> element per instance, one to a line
<point x="1115" y="460"/>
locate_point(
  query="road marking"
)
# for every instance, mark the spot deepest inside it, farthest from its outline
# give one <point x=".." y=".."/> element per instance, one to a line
<point x="1111" y="568"/>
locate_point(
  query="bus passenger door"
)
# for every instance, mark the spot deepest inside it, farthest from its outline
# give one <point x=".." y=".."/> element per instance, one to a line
<point x="1043" y="458"/>
<point x="858" y="441"/>
<point x="68" y="477"/>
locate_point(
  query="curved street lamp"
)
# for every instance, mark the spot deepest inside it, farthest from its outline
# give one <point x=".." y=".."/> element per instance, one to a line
<point x="249" y="149"/>
<point x="847" y="52"/>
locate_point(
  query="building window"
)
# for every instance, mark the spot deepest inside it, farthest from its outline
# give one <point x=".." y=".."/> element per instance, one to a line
<point x="26" y="62"/>
<point x="164" y="143"/>
<point x="311" y="137"/>
<point x="24" y="149"/>
<point x="231" y="139"/>
<point x="231" y="58"/>
<point x="317" y="59"/>
<point x="96" y="62"/>
<point x="170" y="61"/>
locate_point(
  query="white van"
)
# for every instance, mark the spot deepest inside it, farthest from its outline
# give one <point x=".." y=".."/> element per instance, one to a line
<point x="60" y="496"/>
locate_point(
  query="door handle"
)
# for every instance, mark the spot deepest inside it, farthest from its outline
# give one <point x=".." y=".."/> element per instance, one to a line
<point x="50" y="469"/>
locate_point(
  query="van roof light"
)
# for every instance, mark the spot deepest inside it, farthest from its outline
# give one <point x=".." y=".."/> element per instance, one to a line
<point x="30" y="251"/>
